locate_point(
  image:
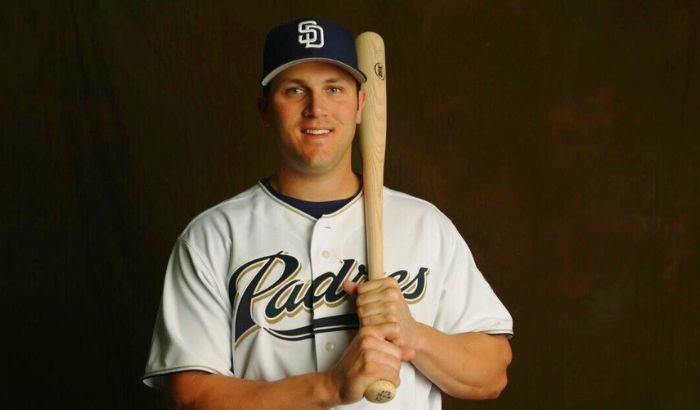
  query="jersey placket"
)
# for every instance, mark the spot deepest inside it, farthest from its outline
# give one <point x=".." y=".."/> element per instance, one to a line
<point x="324" y="257"/>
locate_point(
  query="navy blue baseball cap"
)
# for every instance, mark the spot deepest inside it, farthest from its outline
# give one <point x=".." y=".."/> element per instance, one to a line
<point x="309" y="39"/>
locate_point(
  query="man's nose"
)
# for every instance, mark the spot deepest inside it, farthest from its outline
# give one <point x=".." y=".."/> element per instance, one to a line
<point x="315" y="105"/>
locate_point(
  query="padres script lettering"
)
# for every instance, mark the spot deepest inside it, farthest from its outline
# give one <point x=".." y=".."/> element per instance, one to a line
<point x="285" y="295"/>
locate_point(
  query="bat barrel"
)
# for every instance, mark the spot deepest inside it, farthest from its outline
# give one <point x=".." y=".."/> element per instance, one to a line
<point x="371" y="58"/>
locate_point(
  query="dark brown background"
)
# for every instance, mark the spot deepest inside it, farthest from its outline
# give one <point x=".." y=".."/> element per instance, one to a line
<point x="560" y="137"/>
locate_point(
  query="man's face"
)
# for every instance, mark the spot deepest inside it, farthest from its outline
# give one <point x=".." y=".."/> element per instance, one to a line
<point x="314" y="108"/>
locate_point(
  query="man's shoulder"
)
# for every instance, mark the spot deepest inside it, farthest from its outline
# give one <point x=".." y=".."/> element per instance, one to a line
<point x="221" y="215"/>
<point x="409" y="203"/>
<point x="403" y="205"/>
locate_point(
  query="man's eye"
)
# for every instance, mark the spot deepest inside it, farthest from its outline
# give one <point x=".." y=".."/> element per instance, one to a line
<point x="334" y="90"/>
<point x="294" y="90"/>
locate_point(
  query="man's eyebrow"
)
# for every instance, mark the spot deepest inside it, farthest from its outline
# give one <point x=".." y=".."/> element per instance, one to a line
<point x="294" y="81"/>
<point x="302" y="82"/>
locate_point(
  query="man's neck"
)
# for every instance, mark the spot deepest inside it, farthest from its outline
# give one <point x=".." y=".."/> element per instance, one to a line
<point x="316" y="188"/>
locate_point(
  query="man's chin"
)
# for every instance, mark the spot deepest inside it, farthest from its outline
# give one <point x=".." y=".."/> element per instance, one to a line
<point x="318" y="166"/>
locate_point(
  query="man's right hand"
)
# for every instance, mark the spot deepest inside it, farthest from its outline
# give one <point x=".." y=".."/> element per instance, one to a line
<point x="368" y="358"/>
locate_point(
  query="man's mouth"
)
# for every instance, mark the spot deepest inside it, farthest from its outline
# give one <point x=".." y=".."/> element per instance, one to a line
<point x="316" y="131"/>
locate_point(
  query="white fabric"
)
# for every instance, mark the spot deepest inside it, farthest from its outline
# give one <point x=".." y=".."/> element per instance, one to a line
<point x="233" y="298"/>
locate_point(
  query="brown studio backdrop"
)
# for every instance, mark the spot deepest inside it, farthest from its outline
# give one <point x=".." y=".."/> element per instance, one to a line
<point x="561" y="139"/>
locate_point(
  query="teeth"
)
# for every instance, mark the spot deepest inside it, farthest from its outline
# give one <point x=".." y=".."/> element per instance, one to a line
<point x="317" y="132"/>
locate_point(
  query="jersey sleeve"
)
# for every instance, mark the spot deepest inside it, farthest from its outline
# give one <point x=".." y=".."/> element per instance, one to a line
<point x="192" y="329"/>
<point x="468" y="303"/>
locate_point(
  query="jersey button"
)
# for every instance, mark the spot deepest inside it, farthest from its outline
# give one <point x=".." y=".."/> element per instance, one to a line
<point x="326" y="254"/>
<point x="330" y="347"/>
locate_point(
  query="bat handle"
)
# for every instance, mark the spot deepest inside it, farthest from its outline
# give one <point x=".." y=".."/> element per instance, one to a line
<point x="380" y="391"/>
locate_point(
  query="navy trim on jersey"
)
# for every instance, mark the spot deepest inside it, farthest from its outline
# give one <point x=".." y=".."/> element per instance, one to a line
<point x="315" y="209"/>
<point x="323" y="325"/>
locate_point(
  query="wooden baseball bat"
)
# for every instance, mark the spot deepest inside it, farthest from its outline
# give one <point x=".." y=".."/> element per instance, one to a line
<point x="371" y="61"/>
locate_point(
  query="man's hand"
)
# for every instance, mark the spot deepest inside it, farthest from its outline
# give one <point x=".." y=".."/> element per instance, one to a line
<point x="442" y="358"/>
<point x="381" y="303"/>
<point x="368" y="358"/>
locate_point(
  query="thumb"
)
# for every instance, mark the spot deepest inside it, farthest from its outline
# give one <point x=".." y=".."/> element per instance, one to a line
<point x="350" y="288"/>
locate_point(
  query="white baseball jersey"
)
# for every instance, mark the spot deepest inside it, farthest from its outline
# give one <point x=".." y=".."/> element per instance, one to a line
<point x="253" y="289"/>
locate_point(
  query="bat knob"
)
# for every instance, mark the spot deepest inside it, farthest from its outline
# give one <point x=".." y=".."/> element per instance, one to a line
<point x="380" y="391"/>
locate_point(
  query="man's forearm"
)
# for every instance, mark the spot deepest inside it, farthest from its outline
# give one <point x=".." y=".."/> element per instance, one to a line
<point x="203" y="391"/>
<point x="468" y="365"/>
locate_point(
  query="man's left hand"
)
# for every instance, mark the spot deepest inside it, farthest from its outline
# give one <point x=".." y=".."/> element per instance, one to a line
<point x="381" y="302"/>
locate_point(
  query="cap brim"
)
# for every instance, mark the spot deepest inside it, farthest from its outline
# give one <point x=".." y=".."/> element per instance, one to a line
<point x="357" y="74"/>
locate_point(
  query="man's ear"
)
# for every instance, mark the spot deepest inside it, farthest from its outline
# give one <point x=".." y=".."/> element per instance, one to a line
<point x="361" y="96"/>
<point x="263" y="108"/>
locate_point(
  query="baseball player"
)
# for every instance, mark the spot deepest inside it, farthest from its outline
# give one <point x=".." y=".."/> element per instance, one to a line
<point x="266" y="303"/>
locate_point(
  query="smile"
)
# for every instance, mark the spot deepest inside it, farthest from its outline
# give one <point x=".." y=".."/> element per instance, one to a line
<point x="316" y="131"/>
